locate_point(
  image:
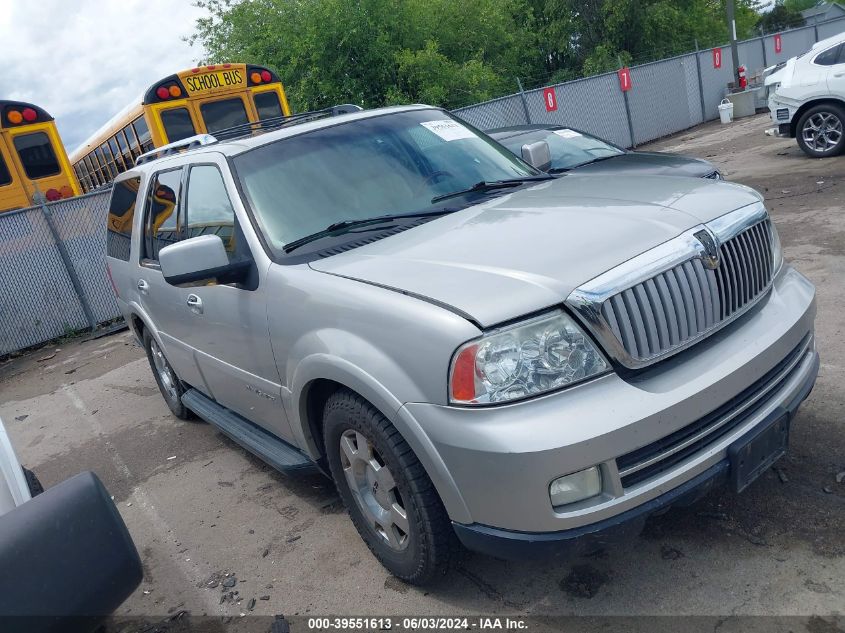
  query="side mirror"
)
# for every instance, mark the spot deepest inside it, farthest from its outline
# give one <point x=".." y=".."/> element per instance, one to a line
<point x="197" y="259"/>
<point x="537" y="155"/>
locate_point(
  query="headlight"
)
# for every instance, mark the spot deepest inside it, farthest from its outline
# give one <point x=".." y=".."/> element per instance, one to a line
<point x="777" y="251"/>
<point x="525" y="359"/>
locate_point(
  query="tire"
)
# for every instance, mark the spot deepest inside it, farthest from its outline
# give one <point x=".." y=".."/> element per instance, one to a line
<point x="35" y="487"/>
<point x="821" y="131"/>
<point x="416" y="550"/>
<point x="168" y="382"/>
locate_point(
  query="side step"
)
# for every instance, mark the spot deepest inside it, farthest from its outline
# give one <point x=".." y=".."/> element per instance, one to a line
<point x="273" y="450"/>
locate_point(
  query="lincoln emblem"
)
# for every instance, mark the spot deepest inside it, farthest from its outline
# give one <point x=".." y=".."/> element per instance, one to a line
<point x="710" y="256"/>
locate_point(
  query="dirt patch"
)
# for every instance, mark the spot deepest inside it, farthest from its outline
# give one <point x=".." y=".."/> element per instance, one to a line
<point x="584" y="581"/>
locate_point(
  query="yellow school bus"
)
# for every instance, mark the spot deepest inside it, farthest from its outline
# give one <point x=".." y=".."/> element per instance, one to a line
<point x="33" y="160"/>
<point x="195" y="101"/>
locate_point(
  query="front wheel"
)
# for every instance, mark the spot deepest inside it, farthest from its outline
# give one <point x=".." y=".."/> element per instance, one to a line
<point x="168" y="382"/>
<point x="388" y="494"/>
<point x="820" y="131"/>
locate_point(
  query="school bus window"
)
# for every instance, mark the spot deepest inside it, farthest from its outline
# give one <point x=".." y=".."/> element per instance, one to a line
<point x="177" y="124"/>
<point x="143" y="134"/>
<point x="123" y="146"/>
<point x="107" y="154"/>
<point x="92" y="170"/>
<point x="219" y="115"/>
<point x="37" y="156"/>
<point x="267" y="104"/>
<point x="104" y="165"/>
<point x="118" y="159"/>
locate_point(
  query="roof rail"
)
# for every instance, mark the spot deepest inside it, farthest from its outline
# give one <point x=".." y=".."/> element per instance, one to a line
<point x="172" y="148"/>
<point x="274" y="123"/>
<point x="244" y="130"/>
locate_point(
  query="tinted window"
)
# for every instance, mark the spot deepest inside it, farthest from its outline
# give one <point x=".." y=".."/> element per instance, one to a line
<point x="568" y="148"/>
<point x="161" y="223"/>
<point x="143" y="134"/>
<point x="121" y="216"/>
<point x="37" y="155"/>
<point x="5" y="176"/>
<point x="208" y="210"/>
<point x="829" y="57"/>
<point x="177" y="124"/>
<point x="267" y="104"/>
<point x="219" y="115"/>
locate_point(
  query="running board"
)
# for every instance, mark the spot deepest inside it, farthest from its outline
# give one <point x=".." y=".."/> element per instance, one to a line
<point x="276" y="452"/>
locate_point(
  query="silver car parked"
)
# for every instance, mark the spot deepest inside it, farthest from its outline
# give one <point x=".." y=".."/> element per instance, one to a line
<point x="469" y="347"/>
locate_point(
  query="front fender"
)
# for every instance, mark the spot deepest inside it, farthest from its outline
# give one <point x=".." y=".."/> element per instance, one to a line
<point x="327" y="366"/>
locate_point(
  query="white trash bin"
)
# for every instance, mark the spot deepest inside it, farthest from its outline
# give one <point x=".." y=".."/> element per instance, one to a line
<point x="726" y="111"/>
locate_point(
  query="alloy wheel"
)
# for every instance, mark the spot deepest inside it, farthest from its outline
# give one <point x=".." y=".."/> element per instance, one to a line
<point x="822" y="132"/>
<point x="165" y="373"/>
<point x="374" y="489"/>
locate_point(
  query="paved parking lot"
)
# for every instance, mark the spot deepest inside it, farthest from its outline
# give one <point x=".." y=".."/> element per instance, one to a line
<point x="199" y="507"/>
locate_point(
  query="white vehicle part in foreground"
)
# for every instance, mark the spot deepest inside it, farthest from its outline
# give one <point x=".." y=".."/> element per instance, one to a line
<point x="13" y="488"/>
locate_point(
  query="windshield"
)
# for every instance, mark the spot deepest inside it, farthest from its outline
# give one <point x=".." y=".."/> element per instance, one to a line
<point x="389" y="164"/>
<point x="568" y="148"/>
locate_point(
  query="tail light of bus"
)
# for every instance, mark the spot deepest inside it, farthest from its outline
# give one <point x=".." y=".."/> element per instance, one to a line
<point x="53" y="195"/>
<point x="14" y="117"/>
<point x="66" y="191"/>
<point x="29" y="115"/>
<point x="258" y="75"/>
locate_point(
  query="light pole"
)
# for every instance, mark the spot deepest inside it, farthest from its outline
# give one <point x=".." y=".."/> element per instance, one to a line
<point x="732" y="35"/>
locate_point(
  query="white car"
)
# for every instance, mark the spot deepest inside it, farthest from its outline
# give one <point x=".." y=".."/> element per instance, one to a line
<point x="807" y="98"/>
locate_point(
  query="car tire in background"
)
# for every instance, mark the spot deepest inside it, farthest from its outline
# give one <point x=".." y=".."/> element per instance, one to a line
<point x="388" y="494"/>
<point x="168" y="382"/>
<point x="32" y="482"/>
<point x="821" y="130"/>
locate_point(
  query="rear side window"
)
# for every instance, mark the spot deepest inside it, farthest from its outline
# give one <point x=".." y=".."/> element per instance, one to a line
<point x="177" y="124"/>
<point x="830" y="57"/>
<point x="219" y="115"/>
<point x="37" y="156"/>
<point x="161" y="219"/>
<point x="5" y="176"/>
<point x="208" y="210"/>
<point x="267" y="104"/>
<point x="121" y="218"/>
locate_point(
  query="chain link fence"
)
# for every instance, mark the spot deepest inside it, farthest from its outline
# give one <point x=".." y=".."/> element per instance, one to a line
<point x="53" y="277"/>
<point x="667" y="96"/>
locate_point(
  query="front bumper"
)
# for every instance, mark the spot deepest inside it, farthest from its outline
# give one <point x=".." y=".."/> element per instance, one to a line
<point x="496" y="463"/>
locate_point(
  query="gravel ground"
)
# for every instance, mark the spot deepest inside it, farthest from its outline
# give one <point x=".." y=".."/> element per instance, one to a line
<point x="199" y="507"/>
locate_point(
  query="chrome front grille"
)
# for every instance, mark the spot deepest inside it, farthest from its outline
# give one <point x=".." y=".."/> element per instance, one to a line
<point x="685" y="289"/>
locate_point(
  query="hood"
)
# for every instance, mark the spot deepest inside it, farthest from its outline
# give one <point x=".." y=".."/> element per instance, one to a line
<point x="651" y="163"/>
<point x="527" y="250"/>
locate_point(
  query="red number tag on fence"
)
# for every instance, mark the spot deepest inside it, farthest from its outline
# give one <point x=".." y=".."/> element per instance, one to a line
<point x="625" y="79"/>
<point x="551" y="99"/>
<point x="717" y="58"/>
<point x="778" y="43"/>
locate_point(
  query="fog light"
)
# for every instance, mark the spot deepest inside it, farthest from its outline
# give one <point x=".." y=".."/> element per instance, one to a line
<point x="575" y="487"/>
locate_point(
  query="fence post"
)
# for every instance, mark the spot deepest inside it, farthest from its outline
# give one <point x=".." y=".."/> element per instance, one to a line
<point x="524" y="102"/>
<point x="71" y="271"/>
<point x="700" y="83"/>
<point x="763" y="42"/>
<point x="816" y="31"/>
<point x="627" y="109"/>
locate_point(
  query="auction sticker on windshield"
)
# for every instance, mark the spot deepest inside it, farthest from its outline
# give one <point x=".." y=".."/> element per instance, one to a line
<point x="568" y="133"/>
<point x="447" y="129"/>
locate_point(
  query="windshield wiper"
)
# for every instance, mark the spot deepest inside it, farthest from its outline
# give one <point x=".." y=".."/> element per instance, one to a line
<point x="489" y="185"/>
<point x="341" y="226"/>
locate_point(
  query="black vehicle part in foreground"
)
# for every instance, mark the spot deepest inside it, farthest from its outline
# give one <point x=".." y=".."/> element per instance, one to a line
<point x="67" y="560"/>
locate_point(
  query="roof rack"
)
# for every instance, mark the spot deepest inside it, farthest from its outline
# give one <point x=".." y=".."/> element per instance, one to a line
<point x="172" y="148"/>
<point x="274" y="123"/>
<point x="244" y="130"/>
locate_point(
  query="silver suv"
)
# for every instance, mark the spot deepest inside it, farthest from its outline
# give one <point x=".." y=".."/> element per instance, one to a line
<point x="466" y="346"/>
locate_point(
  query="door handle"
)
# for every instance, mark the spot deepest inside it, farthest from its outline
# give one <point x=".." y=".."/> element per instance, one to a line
<point x="194" y="303"/>
<point x="842" y="74"/>
<point x="143" y="286"/>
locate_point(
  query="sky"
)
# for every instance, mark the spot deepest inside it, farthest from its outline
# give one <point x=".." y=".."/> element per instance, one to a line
<point x="85" y="60"/>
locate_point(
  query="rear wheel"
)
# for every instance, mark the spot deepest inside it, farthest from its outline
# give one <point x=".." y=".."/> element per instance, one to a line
<point x="32" y="482"/>
<point x="820" y="131"/>
<point x="168" y="382"/>
<point x="387" y="493"/>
